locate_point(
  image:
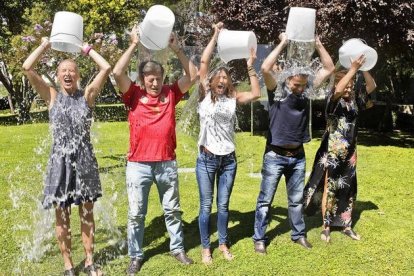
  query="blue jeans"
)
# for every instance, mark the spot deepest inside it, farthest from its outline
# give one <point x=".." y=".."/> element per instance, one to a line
<point x="139" y="178"/>
<point x="293" y="168"/>
<point x="221" y="169"/>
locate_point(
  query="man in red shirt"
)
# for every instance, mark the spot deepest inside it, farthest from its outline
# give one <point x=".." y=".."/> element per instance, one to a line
<point x="151" y="156"/>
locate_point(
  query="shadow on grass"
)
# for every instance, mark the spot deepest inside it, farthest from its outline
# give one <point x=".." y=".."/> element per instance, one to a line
<point x="156" y="230"/>
<point x="396" y="139"/>
<point x="371" y="138"/>
<point x="315" y="221"/>
<point x="245" y="229"/>
<point x="108" y="253"/>
<point x="120" y="160"/>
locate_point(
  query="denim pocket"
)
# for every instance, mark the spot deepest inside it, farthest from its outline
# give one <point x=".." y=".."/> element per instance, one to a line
<point x="271" y="155"/>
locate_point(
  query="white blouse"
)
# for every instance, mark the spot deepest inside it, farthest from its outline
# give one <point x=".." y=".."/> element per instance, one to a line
<point x="217" y="124"/>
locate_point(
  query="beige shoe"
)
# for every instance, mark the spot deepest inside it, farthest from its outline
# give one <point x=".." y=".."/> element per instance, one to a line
<point x="206" y="257"/>
<point x="227" y="255"/>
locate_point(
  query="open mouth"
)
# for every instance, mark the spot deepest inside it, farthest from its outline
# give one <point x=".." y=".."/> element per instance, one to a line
<point x="67" y="81"/>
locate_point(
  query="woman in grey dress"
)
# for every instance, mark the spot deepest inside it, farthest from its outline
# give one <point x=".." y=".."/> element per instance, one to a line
<point x="72" y="174"/>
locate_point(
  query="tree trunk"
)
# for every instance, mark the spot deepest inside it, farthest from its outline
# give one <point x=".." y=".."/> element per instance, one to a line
<point x="23" y="97"/>
<point x="9" y="98"/>
<point x="387" y="124"/>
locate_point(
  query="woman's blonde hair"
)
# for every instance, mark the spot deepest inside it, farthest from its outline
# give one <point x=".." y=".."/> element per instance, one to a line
<point x="213" y="81"/>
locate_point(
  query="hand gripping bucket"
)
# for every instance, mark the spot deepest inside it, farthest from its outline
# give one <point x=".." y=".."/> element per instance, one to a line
<point x="155" y="29"/>
<point x="301" y="24"/>
<point x="235" y="44"/>
<point x="67" y="32"/>
<point x="352" y="49"/>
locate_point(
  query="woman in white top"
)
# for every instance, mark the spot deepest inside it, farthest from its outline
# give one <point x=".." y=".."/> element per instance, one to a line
<point x="216" y="161"/>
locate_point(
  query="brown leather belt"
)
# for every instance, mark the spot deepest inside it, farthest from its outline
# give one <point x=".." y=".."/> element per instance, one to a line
<point x="286" y="152"/>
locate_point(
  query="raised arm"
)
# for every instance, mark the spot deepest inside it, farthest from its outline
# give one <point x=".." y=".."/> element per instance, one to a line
<point x="369" y="82"/>
<point x="327" y="64"/>
<point x="46" y="92"/>
<point x="342" y="84"/>
<point x="186" y="81"/>
<point x="270" y="61"/>
<point x="207" y="53"/>
<point x="254" y="94"/>
<point x="94" y="88"/>
<point x="120" y="70"/>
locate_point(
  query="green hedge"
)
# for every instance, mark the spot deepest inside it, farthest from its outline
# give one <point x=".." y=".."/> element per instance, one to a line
<point x="373" y="118"/>
<point x="107" y="113"/>
<point x="110" y="113"/>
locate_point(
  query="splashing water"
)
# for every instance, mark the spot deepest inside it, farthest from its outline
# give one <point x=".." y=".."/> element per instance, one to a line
<point x="300" y="51"/>
<point x="188" y="122"/>
<point x="35" y="234"/>
<point x="38" y="242"/>
<point x="299" y="62"/>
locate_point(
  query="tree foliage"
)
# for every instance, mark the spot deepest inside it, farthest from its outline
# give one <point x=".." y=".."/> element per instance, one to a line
<point x="386" y="25"/>
<point x="25" y="22"/>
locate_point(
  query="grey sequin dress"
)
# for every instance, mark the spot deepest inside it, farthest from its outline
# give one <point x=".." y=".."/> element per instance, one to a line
<point x="72" y="173"/>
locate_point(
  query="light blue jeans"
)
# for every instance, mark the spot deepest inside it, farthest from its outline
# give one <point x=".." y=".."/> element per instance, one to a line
<point x="139" y="178"/>
<point x="293" y="168"/>
<point x="221" y="169"/>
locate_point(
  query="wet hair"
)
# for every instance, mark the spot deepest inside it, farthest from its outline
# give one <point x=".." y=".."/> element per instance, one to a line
<point x="339" y="74"/>
<point x="68" y="60"/>
<point x="298" y="75"/>
<point x="149" y="66"/>
<point x="213" y="81"/>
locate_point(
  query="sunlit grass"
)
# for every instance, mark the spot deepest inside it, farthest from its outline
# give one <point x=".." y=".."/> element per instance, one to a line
<point x="383" y="215"/>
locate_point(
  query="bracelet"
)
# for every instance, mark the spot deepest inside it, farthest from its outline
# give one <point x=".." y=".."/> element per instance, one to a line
<point x="86" y="49"/>
<point x="251" y="71"/>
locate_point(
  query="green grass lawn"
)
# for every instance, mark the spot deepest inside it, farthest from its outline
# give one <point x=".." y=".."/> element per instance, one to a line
<point x="383" y="214"/>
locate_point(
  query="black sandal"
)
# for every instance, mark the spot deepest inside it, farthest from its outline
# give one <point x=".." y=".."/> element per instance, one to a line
<point x="69" y="272"/>
<point x="92" y="268"/>
<point x="351" y="233"/>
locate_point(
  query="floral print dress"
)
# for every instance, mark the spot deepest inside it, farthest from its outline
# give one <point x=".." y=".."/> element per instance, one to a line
<point x="335" y="162"/>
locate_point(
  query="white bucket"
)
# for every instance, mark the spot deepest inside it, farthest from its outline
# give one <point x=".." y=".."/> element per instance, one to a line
<point x="235" y="44"/>
<point x="155" y="29"/>
<point x="301" y="24"/>
<point x="354" y="48"/>
<point x="67" y="32"/>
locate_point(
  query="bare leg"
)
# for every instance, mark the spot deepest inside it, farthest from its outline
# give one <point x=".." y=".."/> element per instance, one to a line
<point x="63" y="235"/>
<point x="88" y="230"/>
<point x="325" y="235"/>
<point x="324" y="198"/>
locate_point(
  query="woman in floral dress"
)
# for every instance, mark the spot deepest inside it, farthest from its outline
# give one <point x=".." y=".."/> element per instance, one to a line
<point x="332" y="185"/>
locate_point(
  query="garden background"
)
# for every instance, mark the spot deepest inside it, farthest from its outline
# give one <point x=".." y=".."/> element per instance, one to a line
<point x="382" y="216"/>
